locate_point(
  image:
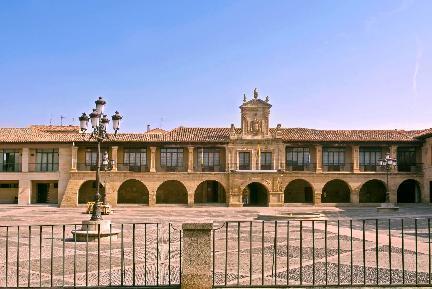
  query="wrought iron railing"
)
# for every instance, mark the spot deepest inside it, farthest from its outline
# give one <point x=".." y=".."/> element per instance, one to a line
<point x="306" y="167"/>
<point x="318" y="253"/>
<point x="144" y="254"/>
<point x="43" y="167"/>
<point x="204" y="168"/>
<point x="10" y="167"/>
<point x="123" y="167"/>
<point x="343" y="167"/>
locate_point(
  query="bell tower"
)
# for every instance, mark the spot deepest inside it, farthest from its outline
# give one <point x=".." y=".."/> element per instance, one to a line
<point x="255" y="117"/>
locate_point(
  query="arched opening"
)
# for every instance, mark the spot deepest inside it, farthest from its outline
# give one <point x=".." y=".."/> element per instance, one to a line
<point x="255" y="194"/>
<point x="373" y="191"/>
<point x="132" y="192"/>
<point x="298" y="191"/>
<point x="209" y="192"/>
<point x="171" y="192"/>
<point x="87" y="192"/>
<point x="336" y="191"/>
<point x="409" y="192"/>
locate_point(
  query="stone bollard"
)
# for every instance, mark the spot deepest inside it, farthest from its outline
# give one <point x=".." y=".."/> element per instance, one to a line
<point x="197" y="256"/>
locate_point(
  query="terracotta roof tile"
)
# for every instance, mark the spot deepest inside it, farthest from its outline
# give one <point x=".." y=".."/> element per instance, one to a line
<point x="68" y="134"/>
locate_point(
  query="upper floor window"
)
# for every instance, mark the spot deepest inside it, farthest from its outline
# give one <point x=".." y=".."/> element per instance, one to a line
<point x="297" y="159"/>
<point x="47" y="160"/>
<point x="135" y="158"/>
<point x="90" y="157"/>
<point x="368" y="158"/>
<point x="209" y="159"/>
<point x="244" y="161"/>
<point x="266" y="161"/>
<point x="406" y="159"/>
<point x="10" y="160"/>
<point x="171" y="157"/>
<point x="333" y="159"/>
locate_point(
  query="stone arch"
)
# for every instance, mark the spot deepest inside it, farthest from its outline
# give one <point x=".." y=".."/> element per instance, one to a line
<point x="373" y="191"/>
<point x="210" y="191"/>
<point x="172" y="192"/>
<point x="87" y="191"/>
<point x="298" y="191"/>
<point x="409" y="192"/>
<point x="132" y="191"/>
<point x="336" y="191"/>
<point x="255" y="194"/>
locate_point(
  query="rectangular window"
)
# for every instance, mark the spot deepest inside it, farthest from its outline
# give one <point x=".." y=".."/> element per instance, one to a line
<point x="333" y="159"/>
<point x="406" y="159"/>
<point x="47" y="160"/>
<point x="171" y="158"/>
<point x="9" y="186"/>
<point x="368" y="158"/>
<point x="297" y="159"/>
<point x="135" y="159"/>
<point x="10" y="160"/>
<point x="90" y="158"/>
<point x="266" y="161"/>
<point x="209" y="159"/>
<point x="244" y="161"/>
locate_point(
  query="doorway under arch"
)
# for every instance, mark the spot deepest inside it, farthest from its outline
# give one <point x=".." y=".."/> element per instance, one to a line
<point x="132" y="192"/>
<point x="298" y="191"/>
<point x="255" y="194"/>
<point x="87" y="192"/>
<point x="209" y="192"/>
<point x="373" y="191"/>
<point x="171" y="192"/>
<point x="336" y="191"/>
<point x="409" y="192"/>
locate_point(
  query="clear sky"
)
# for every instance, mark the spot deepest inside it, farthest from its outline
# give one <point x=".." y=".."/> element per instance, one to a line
<point x="324" y="64"/>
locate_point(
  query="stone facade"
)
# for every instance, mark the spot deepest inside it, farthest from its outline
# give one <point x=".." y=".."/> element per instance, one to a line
<point x="250" y="165"/>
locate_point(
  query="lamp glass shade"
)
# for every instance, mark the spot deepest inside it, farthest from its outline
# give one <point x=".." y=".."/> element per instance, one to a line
<point x="105" y="121"/>
<point x="100" y="105"/>
<point x="116" y="121"/>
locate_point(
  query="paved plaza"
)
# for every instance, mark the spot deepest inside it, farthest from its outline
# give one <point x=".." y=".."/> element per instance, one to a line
<point x="247" y="251"/>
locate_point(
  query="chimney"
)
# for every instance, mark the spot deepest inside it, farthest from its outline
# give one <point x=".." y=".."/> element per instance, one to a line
<point x="148" y="128"/>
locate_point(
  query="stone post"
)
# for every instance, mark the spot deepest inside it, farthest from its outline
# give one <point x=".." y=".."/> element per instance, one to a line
<point x="355" y="158"/>
<point x="114" y="150"/>
<point x="190" y="159"/>
<point x="318" y="158"/>
<point x="197" y="256"/>
<point x="152" y="159"/>
<point x="74" y="158"/>
<point x="25" y="160"/>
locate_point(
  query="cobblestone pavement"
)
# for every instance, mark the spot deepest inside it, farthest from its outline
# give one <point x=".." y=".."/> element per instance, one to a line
<point x="246" y="251"/>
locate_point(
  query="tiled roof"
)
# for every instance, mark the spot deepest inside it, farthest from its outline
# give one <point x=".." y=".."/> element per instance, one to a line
<point x="68" y="134"/>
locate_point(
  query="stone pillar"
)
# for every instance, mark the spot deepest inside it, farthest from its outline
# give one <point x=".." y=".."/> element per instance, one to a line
<point x="25" y="160"/>
<point x="393" y="151"/>
<point x="355" y="159"/>
<point x="74" y="163"/>
<point x="114" y="157"/>
<point x="253" y="160"/>
<point x="276" y="199"/>
<point x="24" y="192"/>
<point x="190" y="159"/>
<point x="197" y="256"/>
<point x="152" y="159"/>
<point x="317" y="194"/>
<point x="318" y="158"/>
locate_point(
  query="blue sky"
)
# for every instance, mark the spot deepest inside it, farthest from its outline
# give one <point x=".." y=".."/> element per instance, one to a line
<point x="324" y="64"/>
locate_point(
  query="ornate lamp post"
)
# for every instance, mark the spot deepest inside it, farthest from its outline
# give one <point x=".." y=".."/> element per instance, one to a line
<point x="388" y="163"/>
<point x="99" y="123"/>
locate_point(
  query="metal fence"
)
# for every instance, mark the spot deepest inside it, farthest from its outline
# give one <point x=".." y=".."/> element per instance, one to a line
<point x="364" y="253"/>
<point x="144" y="255"/>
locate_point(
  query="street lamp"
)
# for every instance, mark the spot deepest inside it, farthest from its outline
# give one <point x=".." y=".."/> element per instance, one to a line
<point x="99" y="122"/>
<point x="388" y="163"/>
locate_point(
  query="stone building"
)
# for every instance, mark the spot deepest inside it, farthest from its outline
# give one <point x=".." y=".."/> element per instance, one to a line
<point x="250" y="165"/>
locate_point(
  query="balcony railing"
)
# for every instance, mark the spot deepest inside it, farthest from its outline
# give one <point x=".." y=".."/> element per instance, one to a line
<point x="308" y="167"/>
<point x="172" y="169"/>
<point x="86" y="167"/>
<point x="10" y="167"/>
<point x="43" y="167"/>
<point x="409" y="168"/>
<point x="337" y="167"/>
<point x="204" y="168"/>
<point x="122" y="167"/>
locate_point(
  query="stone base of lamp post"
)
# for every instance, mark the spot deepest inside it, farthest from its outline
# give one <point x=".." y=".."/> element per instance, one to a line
<point x="91" y="231"/>
<point x="387" y="208"/>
